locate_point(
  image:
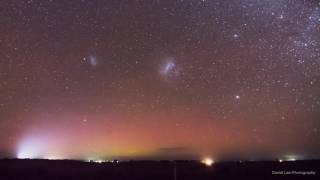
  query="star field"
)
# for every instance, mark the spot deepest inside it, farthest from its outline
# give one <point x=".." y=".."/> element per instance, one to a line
<point x="159" y="79"/>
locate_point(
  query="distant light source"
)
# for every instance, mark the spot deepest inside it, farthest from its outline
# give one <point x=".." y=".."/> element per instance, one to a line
<point x="27" y="152"/>
<point x="25" y="155"/>
<point x="292" y="159"/>
<point x="288" y="158"/>
<point x="207" y="161"/>
<point x="98" y="161"/>
<point x="52" y="157"/>
<point x="32" y="147"/>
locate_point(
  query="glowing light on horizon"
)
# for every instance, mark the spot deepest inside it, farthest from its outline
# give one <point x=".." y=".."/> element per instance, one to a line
<point x="207" y="161"/>
<point x="38" y="147"/>
<point x="28" y="150"/>
<point x="288" y="158"/>
<point x="26" y="155"/>
<point x="292" y="159"/>
<point x="99" y="161"/>
<point x="54" y="157"/>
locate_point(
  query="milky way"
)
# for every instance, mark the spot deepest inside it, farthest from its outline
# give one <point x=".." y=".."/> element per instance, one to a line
<point x="159" y="79"/>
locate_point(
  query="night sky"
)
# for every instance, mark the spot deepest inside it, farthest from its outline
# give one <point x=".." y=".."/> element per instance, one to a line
<point x="91" y="79"/>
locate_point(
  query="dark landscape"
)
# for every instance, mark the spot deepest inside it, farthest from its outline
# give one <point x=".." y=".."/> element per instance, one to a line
<point x="134" y="170"/>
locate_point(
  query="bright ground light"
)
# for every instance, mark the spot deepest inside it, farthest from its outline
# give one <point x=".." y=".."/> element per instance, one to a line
<point x="207" y="161"/>
<point x="27" y="151"/>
